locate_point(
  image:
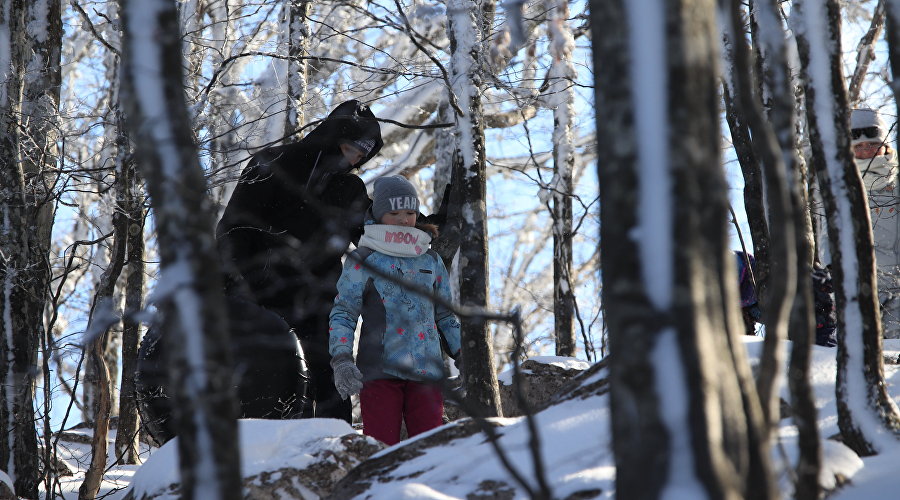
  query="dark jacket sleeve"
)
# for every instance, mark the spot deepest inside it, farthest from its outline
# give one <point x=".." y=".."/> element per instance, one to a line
<point x="253" y="200"/>
<point x="338" y="211"/>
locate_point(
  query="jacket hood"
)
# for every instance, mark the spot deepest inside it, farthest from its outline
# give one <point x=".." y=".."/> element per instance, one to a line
<point x="349" y="121"/>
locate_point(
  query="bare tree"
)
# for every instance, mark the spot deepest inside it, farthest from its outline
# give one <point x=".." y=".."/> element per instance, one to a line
<point x="777" y="302"/>
<point x="865" y="52"/>
<point x="127" y="432"/>
<point x="394" y="55"/>
<point x="563" y="73"/>
<point x="778" y="87"/>
<point x="668" y="288"/>
<point x="190" y="290"/>
<point x="15" y="348"/>
<point x="103" y="316"/>
<point x="863" y="415"/>
<point x="29" y="96"/>
<point x="478" y="359"/>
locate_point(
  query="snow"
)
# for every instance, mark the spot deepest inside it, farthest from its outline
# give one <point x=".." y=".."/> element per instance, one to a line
<point x="649" y="77"/>
<point x="266" y="445"/>
<point x="576" y="449"/>
<point x="5" y="479"/>
<point x="877" y="479"/>
<point x="673" y="395"/>
<point x="462" y="67"/>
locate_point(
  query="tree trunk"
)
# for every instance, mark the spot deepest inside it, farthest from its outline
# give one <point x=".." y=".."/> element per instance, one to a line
<point x="298" y="31"/>
<point x="778" y="86"/>
<point x="859" y="356"/>
<point x="865" y="52"/>
<point x="562" y="88"/>
<point x="190" y="288"/>
<point x="776" y="303"/>
<point x="668" y="286"/>
<point x="480" y="382"/>
<point x="28" y="110"/>
<point x="102" y="317"/>
<point x="752" y="174"/>
<point x="40" y="112"/>
<point x="127" y="434"/>
<point x="447" y="173"/>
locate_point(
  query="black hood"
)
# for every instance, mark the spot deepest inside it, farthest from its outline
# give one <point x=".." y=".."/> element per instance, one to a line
<point x="350" y="121"/>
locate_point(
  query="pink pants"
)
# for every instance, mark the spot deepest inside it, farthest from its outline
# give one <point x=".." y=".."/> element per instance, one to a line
<point x="385" y="403"/>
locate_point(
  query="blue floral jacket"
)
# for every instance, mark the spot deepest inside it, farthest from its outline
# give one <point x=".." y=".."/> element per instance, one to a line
<point x="402" y="331"/>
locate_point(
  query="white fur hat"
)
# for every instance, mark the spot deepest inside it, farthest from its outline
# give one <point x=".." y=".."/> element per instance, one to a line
<point x="867" y="126"/>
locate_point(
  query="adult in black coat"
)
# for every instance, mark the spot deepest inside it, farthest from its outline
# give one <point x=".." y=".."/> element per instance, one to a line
<point x="292" y="215"/>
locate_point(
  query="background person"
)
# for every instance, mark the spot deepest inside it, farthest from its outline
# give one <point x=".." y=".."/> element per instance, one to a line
<point x="877" y="164"/>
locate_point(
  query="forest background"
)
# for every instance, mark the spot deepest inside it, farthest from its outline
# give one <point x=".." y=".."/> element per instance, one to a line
<point x="500" y="99"/>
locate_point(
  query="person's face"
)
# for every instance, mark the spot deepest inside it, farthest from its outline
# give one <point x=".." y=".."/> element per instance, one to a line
<point x="866" y="150"/>
<point x="400" y="218"/>
<point x="352" y="154"/>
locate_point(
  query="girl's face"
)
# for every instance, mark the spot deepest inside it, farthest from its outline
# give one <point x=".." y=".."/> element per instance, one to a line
<point x="400" y="218"/>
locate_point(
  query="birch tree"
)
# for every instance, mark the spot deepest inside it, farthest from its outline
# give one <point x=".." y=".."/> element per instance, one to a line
<point x="562" y="74"/>
<point x="14" y="355"/>
<point x="298" y="33"/>
<point x="466" y="33"/>
<point x="685" y="416"/>
<point x="190" y="290"/>
<point x="866" y="412"/>
<point x="29" y="95"/>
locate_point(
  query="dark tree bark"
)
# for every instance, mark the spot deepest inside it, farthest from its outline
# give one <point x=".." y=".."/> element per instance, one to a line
<point x="782" y="252"/>
<point x="753" y="190"/>
<point x="859" y="356"/>
<point x="40" y="110"/>
<point x="446" y="176"/>
<point x="126" y="445"/>
<point x="190" y="294"/>
<point x="28" y="111"/>
<point x="865" y="52"/>
<point x="778" y="86"/>
<point x="482" y="391"/>
<point x="670" y="291"/>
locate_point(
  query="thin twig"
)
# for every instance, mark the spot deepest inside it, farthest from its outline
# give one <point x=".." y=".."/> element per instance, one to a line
<point x="454" y="102"/>
<point x="90" y="25"/>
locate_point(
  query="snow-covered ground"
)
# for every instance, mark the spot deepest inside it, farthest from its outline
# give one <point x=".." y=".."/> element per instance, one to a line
<point x="574" y="438"/>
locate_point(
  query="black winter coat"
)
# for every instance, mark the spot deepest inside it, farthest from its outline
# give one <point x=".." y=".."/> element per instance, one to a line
<point x="292" y="215"/>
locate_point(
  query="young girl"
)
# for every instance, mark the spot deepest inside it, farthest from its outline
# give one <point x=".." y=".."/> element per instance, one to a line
<point x="399" y="353"/>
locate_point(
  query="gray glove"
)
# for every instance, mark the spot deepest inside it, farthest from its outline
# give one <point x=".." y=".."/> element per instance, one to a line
<point x="347" y="377"/>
